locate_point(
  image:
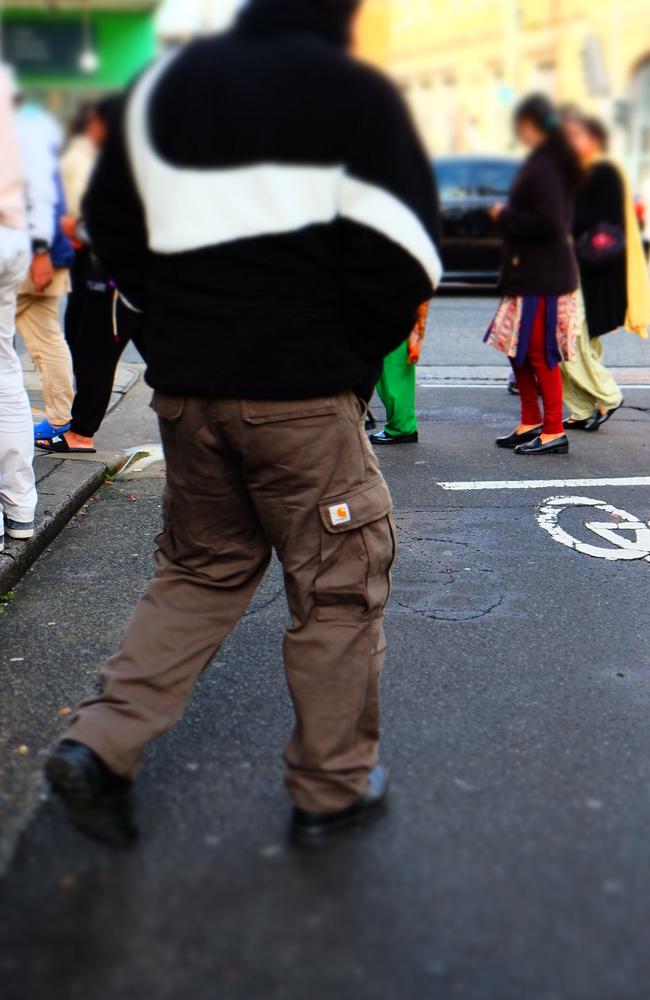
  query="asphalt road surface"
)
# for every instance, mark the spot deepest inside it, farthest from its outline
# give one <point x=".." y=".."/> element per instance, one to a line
<point x="513" y="864"/>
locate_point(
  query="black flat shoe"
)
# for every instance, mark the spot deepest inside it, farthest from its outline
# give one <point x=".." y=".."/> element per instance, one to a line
<point x="575" y="425"/>
<point x="97" y="801"/>
<point x="312" y="829"/>
<point x="515" y="439"/>
<point x="512" y="389"/>
<point x="371" y="423"/>
<point x="560" y="446"/>
<point x="384" y="438"/>
<point x="598" y="419"/>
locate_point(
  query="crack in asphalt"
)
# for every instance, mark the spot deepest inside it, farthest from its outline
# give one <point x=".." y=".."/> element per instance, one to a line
<point x="426" y="538"/>
<point x="438" y="616"/>
<point x="266" y="605"/>
<point x="43" y="479"/>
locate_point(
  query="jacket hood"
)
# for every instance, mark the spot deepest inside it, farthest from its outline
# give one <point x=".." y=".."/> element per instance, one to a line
<point x="331" y="19"/>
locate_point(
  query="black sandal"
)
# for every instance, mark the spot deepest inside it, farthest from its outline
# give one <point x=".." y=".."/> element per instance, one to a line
<point x="576" y="425"/>
<point x="59" y="446"/>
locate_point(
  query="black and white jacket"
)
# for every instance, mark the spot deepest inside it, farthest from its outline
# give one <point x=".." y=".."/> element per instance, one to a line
<point x="268" y="205"/>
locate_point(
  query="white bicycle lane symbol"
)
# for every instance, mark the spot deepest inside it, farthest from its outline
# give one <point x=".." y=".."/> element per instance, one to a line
<point x="627" y="535"/>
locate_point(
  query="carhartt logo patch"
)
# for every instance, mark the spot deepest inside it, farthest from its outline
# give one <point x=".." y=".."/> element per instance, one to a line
<point x="340" y="514"/>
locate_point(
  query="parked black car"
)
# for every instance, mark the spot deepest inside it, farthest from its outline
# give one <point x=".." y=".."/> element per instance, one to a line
<point x="471" y="243"/>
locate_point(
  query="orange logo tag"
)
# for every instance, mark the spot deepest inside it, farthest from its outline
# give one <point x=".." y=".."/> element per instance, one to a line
<point x="340" y="514"/>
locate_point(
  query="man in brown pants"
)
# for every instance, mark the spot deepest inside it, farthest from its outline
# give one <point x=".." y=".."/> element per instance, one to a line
<point x="267" y="321"/>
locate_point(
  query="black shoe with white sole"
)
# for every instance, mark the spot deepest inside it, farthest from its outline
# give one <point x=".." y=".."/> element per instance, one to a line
<point x="19" y="529"/>
<point x="313" y="829"/>
<point x="97" y="801"/>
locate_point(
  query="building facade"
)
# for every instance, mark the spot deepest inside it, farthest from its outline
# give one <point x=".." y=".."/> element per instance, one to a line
<point x="463" y="64"/>
<point x="179" y="20"/>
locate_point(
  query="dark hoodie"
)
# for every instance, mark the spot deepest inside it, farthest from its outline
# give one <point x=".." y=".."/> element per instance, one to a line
<point x="270" y="207"/>
<point x="330" y="19"/>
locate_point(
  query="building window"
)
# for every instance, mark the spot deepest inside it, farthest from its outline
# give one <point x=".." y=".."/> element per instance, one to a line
<point x="639" y="149"/>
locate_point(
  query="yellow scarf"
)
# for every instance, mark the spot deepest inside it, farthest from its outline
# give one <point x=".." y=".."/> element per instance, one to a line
<point x="637" y="319"/>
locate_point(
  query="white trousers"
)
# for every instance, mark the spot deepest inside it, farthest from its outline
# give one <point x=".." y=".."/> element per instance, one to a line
<point x="17" y="483"/>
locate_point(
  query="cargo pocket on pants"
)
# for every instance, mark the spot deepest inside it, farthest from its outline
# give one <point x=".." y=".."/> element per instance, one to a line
<point x="357" y="554"/>
<point x="169" y="410"/>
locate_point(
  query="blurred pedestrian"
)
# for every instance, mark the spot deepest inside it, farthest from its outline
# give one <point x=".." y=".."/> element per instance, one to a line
<point x="397" y="388"/>
<point x="38" y="312"/>
<point x="98" y="323"/>
<point x="280" y="248"/>
<point x="86" y="136"/>
<point x="17" y="483"/>
<point x="613" y="276"/>
<point x="536" y="324"/>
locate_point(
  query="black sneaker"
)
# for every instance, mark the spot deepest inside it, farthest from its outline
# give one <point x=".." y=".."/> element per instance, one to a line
<point x="97" y="801"/>
<point x="313" y="829"/>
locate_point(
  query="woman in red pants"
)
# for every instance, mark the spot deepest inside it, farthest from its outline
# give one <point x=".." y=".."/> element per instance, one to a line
<point x="537" y="322"/>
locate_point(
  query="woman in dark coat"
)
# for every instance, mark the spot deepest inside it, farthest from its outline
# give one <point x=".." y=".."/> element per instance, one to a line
<point x="537" y="322"/>
<point x="590" y="390"/>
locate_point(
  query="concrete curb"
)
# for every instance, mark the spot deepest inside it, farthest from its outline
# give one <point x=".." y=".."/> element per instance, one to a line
<point x="67" y="488"/>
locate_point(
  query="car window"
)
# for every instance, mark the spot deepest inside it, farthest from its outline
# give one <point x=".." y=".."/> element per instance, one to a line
<point x="493" y="180"/>
<point x="462" y="179"/>
<point x="454" y="180"/>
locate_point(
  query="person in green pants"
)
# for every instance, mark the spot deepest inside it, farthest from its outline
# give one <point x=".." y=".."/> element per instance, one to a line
<point x="396" y="389"/>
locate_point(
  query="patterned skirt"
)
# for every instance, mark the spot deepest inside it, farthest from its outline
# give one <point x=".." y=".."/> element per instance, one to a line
<point x="511" y="328"/>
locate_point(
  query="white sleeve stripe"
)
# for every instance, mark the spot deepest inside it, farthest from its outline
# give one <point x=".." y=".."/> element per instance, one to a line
<point x="189" y="209"/>
<point x="378" y="209"/>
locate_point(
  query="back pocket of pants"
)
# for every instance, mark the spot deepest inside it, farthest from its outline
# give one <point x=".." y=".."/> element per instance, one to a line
<point x="167" y="407"/>
<point x="261" y="411"/>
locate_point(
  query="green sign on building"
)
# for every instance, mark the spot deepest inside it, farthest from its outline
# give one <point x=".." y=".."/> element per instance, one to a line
<point x="46" y="48"/>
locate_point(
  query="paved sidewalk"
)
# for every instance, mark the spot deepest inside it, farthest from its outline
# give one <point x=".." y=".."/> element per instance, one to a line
<point x="126" y="377"/>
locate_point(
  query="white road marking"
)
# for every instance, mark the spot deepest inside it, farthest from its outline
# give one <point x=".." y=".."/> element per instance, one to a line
<point x="612" y="533"/>
<point x="624" y="548"/>
<point x="543" y="484"/>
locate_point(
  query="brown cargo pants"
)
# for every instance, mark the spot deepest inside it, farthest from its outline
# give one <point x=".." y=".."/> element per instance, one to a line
<point x="246" y="477"/>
